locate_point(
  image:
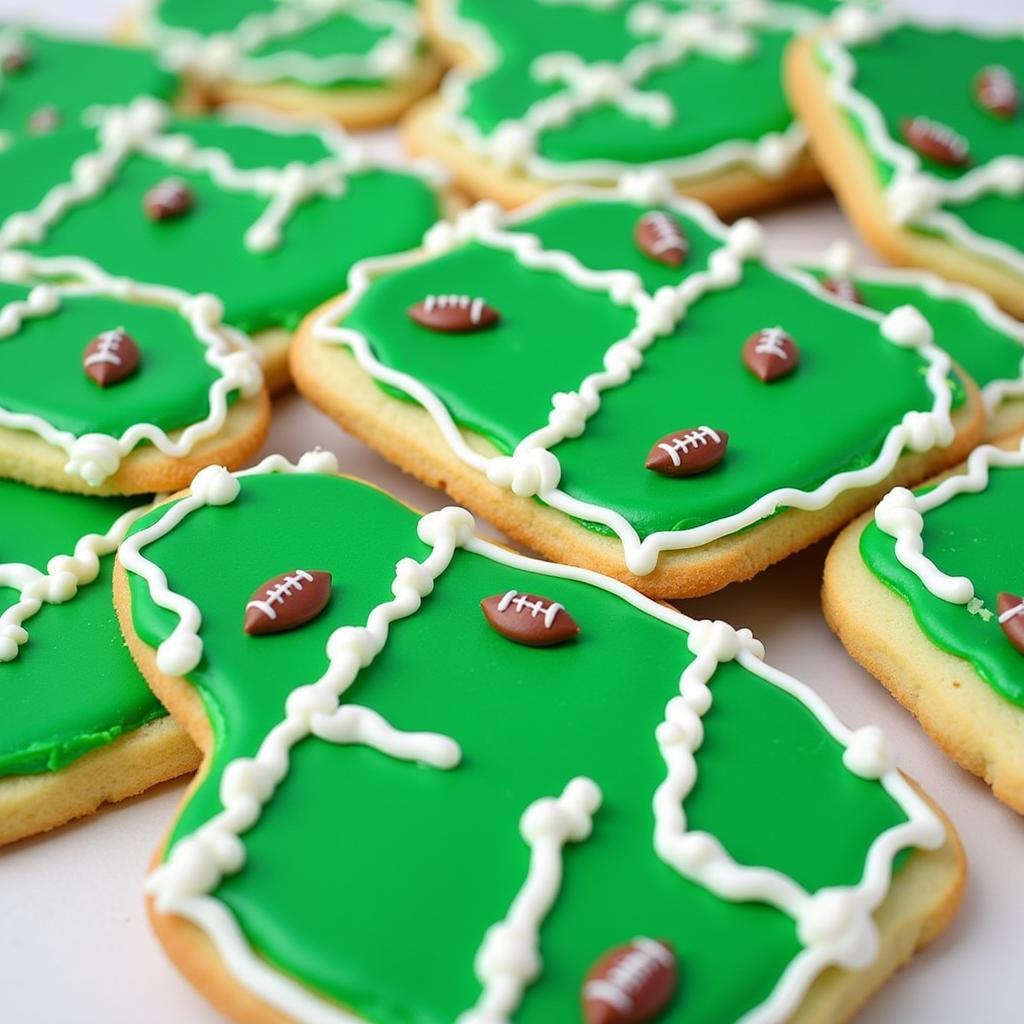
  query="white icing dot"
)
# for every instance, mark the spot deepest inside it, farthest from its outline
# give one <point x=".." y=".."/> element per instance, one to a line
<point x="868" y="753"/>
<point x="179" y="654"/>
<point x="319" y="461"/>
<point x="446" y="524"/>
<point x="214" y="485"/>
<point x="906" y="327"/>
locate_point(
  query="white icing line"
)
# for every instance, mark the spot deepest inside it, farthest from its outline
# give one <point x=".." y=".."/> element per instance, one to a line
<point x="915" y="197"/>
<point x="839" y="261"/>
<point x="232" y="55"/>
<point x="834" y="924"/>
<point x="95" y="457"/>
<point x="65" y="575"/>
<point x="533" y="470"/>
<point x="901" y="513"/>
<point x="509" y="959"/>
<point x="724" y="33"/>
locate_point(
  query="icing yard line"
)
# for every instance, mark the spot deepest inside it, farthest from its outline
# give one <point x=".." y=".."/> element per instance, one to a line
<point x="834" y="924"/>
<point x="533" y="470"/>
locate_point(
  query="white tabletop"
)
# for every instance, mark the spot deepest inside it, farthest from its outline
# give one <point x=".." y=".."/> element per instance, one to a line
<point x="74" y="942"/>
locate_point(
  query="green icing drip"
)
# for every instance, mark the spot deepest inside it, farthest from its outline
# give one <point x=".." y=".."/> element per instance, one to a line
<point x="380" y="211"/>
<point x="553" y="334"/>
<point x="74" y="75"/>
<point x="355" y="844"/>
<point x="945" y="64"/>
<point x="73" y="686"/>
<point x="170" y="389"/>
<point x="972" y="535"/>
<point x="983" y="350"/>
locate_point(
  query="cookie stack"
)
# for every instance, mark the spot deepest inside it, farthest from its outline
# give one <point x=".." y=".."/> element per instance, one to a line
<point x="539" y="311"/>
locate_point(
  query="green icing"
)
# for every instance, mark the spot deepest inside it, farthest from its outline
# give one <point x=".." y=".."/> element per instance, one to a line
<point x="74" y="75"/>
<point x="553" y="334"/>
<point x="354" y="844"/>
<point x="945" y="63"/>
<point x="41" y="367"/>
<point x="342" y="32"/>
<point x="380" y="211"/>
<point x="73" y="686"/>
<point x="987" y="353"/>
<point x="972" y="535"/>
<point x="745" y="94"/>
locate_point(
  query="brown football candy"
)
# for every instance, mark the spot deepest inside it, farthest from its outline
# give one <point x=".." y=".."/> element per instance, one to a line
<point x="111" y="357"/>
<point x="15" y="59"/>
<point x="843" y="288"/>
<point x="936" y="141"/>
<point x="44" y="121"/>
<point x="529" y="619"/>
<point x="687" y="452"/>
<point x="770" y="354"/>
<point x="660" y="236"/>
<point x="997" y="91"/>
<point x="631" y="984"/>
<point x="1011" y="618"/>
<point x="287" y="602"/>
<point x="168" y="200"/>
<point x="454" y="314"/>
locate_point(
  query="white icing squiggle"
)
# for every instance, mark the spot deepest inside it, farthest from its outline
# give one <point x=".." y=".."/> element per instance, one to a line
<point x="64" y="576"/>
<point x="95" y="457"/>
<point x="233" y="54"/>
<point x="533" y="470"/>
<point x="834" y="924"/>
<point x="675" y="37"/>
<point x="914" y="197"/>
<point x="901" y="513"/>
<point x="509" y="959"/>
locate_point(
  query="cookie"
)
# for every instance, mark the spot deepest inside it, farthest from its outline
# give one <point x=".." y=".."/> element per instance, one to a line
<point x="274" y="213"/>
<point x="546" y="94"/>
<point x="410" y="770"/>
<point x="361" y="63"/>
<point x="923" y="595"/>
<point x="111" y="386"/>
<point x="987" y="343"/>
<point x="79" y="725"/>
<point x="577" y="420"/>
<point x="47" y="84"/>
<point x="907" y="124"/>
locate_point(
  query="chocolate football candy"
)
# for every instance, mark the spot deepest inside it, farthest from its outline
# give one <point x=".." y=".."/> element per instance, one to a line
<point x="843" y="288"/>
<point x="687" y="452"/>
<point x="770" y="354"/>
<point x="111" y="357"/>
<point x="454" y="314"/>
<point x="168" y="200"/>
<point x="660" y="235"/>
<point x="528" y="619"/>
<point x="997" y="91"/>
<point x="936" y="141"/>
<point x="287" y="602"/>
<point x="1011" y="618"/>
<point x="631" y="984"/>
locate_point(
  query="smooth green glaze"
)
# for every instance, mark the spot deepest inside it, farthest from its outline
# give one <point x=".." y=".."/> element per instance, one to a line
<point x="748" y="97"/>
<point x="341" y="33"/>
<point x="74" y="75"/>
<point x="41" y="367"/>
<point x="945" y="63"/>
<point x="985" y="352"/>
<point x="73" y="686"/>
<point x="381" y="211"/>
<point x="356" y="845"/>
<point x="972" y="535"/>
<point x="553" y="334"/>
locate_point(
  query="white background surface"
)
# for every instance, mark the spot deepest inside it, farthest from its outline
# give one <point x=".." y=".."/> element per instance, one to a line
<point x="74" y="944"/>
